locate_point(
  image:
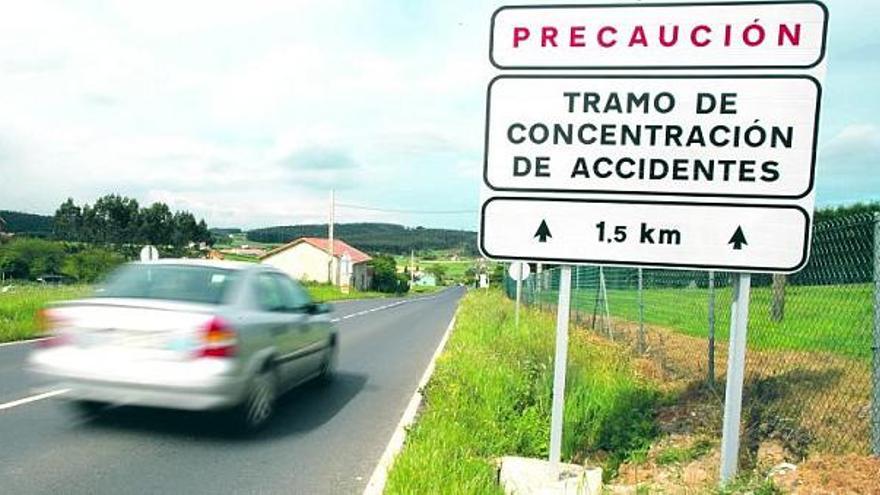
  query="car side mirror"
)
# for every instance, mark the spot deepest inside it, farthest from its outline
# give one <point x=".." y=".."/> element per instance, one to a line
<point x="320" y="308"/>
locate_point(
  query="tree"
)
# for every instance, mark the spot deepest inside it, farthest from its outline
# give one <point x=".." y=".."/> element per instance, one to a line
<point x="120" y="218"/>
<point x="385" y="276"/>
<point x="67" y="221"/>
<point x="157" y="225"/>
<point x="185" y="229"/>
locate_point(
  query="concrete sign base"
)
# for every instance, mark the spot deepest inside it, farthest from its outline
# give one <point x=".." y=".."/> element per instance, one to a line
<point x="524" y="476"/>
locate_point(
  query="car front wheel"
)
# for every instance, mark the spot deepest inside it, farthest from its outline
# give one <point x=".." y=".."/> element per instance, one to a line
<point x="259" y="404"/>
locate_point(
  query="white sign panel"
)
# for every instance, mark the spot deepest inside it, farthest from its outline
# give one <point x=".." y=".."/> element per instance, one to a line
<point x="733" y="136"/>
<point x="149" y="253"/>
<point x="664" y="234"/>
<point x="514" y="268"/>
<point x="720" y="35"/>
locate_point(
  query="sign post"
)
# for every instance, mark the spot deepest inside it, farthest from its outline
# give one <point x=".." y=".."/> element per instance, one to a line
<point x="711" y="169"/>
<point x="736" y="362"/>
<point x="559" y="364"/>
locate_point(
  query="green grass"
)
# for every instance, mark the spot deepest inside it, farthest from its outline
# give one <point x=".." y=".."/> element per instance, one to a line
<point x="327" y="292"/>
<point x="833" y="318"/>
<point x="684" y="454"/>
<point x="240" y="257"/>
<point x="19" y="306"/>
<point x="490" y="396"/>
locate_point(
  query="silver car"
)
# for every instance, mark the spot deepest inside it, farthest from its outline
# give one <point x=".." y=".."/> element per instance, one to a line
<point x="189" y="334"/>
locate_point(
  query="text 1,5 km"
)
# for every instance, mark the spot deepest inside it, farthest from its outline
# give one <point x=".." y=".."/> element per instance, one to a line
<point x="647" y="234"/>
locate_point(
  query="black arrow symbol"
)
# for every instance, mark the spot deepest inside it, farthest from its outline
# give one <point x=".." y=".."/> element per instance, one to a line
<point x="543" y="232"/>
<point x="738" y="239"/>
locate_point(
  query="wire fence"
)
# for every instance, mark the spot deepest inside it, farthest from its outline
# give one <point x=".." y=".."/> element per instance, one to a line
<point x="813" y="337"/>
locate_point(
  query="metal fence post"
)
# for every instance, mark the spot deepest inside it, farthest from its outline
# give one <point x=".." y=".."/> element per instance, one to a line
<point x="641" y="346"/>
<point x="875" y="398"/>
<point x="711" y="328"/>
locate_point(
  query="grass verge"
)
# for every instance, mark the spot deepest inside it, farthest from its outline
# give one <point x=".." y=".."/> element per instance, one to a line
<point x="490" y="396"/>
<point x="327" y="292"/>
<point x="18" y="307"/>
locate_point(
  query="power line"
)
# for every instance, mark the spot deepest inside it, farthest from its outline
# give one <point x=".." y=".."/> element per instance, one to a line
<point x="394" y="210"/>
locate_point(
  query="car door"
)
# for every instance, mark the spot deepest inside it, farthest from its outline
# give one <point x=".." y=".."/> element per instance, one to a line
<point x="312" y="330"/>
<point x="282" y="325"/>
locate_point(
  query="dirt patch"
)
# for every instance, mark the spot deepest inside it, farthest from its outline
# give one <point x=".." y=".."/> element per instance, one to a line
<point x="827" y="474"/>
<point x="812" y="402"/>
<point x="806" y="410"/>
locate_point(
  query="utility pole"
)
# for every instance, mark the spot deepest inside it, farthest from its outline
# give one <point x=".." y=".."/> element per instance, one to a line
<point x="412" y="266"/>
<point x="330" y="277"/>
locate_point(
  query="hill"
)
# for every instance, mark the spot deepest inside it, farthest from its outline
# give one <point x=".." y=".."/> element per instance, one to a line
<point x="376" y="237"/>
<point x="27" y="223"/>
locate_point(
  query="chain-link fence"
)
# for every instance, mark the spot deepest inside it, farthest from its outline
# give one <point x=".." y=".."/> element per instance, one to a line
<point x="813" y="337"/>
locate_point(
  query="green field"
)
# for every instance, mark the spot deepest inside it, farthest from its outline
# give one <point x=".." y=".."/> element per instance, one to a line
<point x="832" y="318"/>
<point x="18" y="307"/>
<point x="240" y="257"/>
<point x="239" y="240"/>
<point x="490" y="396"/>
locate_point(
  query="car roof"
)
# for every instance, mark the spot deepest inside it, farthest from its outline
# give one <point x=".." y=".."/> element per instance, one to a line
<point x="227" y="265"/>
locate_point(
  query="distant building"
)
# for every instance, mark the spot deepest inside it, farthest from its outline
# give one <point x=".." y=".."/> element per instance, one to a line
<point x="307" y="259"/>
<point x="426" y="280"/>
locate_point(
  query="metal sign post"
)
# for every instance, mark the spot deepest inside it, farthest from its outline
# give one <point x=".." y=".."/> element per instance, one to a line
<point x="519" y="280"/>
<point x="559" y="362"/>
<point x="736" y="362"/>
<point x="518" y="271"/>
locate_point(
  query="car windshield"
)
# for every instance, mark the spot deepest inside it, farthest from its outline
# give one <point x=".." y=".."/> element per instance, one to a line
<point x="199" y="284"/>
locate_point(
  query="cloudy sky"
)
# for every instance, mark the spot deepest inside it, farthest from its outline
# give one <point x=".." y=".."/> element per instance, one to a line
<point x="248" y="115"/>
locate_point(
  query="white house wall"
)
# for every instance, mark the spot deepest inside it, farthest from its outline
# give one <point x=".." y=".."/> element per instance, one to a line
<point x="303" y="262"/>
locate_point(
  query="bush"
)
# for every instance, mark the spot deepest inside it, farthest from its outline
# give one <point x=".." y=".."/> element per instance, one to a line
<point x="90" y="265"/>
<point x="29" y="258"/>
<point x="385" y="276"/>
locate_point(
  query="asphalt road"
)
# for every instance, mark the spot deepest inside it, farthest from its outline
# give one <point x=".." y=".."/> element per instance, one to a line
<point x="324" y="439"/>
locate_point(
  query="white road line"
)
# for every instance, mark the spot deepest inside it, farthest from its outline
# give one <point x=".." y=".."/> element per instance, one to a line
<point x="20" y="342"/>
<point x="33" y="398"/>
<point x="376" y="485"/>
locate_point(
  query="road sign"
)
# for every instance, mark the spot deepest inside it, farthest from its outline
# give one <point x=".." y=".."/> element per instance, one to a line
<point x="719" y="35"/>
<point x="149" y="253"/>
<point x="732" y="136"/>
<point x="519" y="271"/>
<point x="728" y="161"/>
<point x="688" y="171"/>
<point x="725" y="236"/>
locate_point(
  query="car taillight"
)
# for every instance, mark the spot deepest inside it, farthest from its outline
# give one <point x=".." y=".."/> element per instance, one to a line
<point x="218" y="339"/>
<point x="49" y="324"/>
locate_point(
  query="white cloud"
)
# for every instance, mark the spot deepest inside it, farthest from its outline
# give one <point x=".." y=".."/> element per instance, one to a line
<point x="848" y="165"/>
<point x="200" y="103"/>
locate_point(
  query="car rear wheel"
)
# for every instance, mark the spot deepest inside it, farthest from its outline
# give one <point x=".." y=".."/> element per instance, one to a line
<point x="328" y="369"/>
<point x="259" y="405"/>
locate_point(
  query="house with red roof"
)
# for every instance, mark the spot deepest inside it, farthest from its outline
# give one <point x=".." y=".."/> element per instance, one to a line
<point x="308" y="259"/>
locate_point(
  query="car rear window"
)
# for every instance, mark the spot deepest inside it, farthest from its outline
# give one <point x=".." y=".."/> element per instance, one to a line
<point x="199" y="284"/>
